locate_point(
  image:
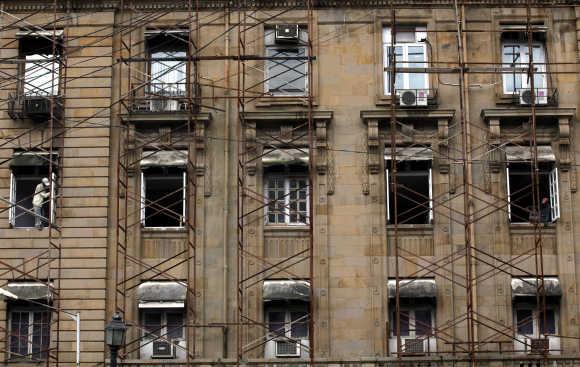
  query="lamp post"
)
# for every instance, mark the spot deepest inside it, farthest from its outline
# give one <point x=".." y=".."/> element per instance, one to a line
<point x="114" y="336"/>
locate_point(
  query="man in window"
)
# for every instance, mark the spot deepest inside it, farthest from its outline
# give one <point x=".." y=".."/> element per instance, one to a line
<point x="41" y="195"/>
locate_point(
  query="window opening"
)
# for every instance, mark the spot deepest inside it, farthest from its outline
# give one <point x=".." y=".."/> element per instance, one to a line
<point x="290" y="76"/>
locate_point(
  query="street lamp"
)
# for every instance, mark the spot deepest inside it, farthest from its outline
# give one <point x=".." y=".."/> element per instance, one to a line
<point x="114" y="336"/>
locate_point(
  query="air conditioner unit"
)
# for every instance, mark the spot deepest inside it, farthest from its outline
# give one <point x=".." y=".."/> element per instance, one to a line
<point x="164" y="105"/>
<point x="163" y="349"/>
<point x="413" y="346"/>
<point x="287" y="348"/>
<point x="289" y="33"/>
<point x="409" y="98"/>
<point x="541" y="96"/>
<point x="37" y="106"/>
<point x="539" y="346"/>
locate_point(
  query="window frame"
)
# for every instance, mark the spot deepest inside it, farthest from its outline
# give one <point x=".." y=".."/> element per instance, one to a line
<point x="553" y="188"/>
<point x="163" y="331"/>
<point x="30" y="55"/>
<point x="286" y="179"/>
<point x="31" y="332"/>
<point x="14" y="194"/>
<point x="430" y="216"/>
<point x="420" y="33"/>
<point x="535" y="323"/>
<point x="143" y="204"/>
<point x="270" y="31"/>
<point x="287" y="310"/>
<point x="411" y="311"/>
<point x="522" y="46"/>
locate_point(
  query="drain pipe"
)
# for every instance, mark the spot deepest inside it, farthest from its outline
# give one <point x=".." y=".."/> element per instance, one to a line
<point x="227" y="161"/>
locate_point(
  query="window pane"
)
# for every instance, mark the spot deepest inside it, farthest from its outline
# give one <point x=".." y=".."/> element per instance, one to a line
<point x="299" y="328"/>
<point x="276" y="322"/>
<point x="524" y="322"/>
<point x="416" y="59"/>
<point x="276" y="198"/>
<point x="550" y="322"/>
<point x="404" y="323"/>
<point x="422" y="322"/>
<point x="152" y="323"/>
<point x="40" y="335"/>
<point x="511" y="58"/>
<point x="174" y="325"/>
<point x="19" y="334"/>
<point x="286" y="76"/>
<point x="168" y="76"/>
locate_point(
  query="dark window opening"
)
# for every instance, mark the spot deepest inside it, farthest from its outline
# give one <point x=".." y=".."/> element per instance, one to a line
<point x="413" y="192"/>
<point x="163" y="324"/>
<point x="523" y="207"/>
<point x="163" y="197"/>
<point x="287" y="320"/>
<point x="530" y="321"/>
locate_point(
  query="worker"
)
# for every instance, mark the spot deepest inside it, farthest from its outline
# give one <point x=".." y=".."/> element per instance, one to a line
<point x="41" y="194"/>
<point x="545" y="210"/>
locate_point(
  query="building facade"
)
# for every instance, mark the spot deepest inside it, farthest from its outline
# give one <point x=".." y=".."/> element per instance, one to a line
<point x="293" y="182"/>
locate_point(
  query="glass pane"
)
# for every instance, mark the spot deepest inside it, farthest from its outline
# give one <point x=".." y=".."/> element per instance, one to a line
<point x="286" y="76"/>
<point x="174" y="325"/>
<point x="422" y="322"/>
<point x="550" y="322"/>
<point x="511" y="58"/>
<point x="524" y="322"/>
<point x="276" y="322"/>
<point x="168" y="76"/>
<point x="152" y="323"/>
<point x="404" y="323"/>
<point x="299" y="328"/>
<point x="416" y="57"/>
<point x="19" y="334"/>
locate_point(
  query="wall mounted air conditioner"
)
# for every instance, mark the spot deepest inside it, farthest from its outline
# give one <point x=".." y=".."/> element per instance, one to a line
<point x="409" y="98"/>
<point x="541" y="96"/>
<point x="539" y="346"/>
<point x="413" y="346"/>
<point x="36" y="106"/>
<point x="163" y="349"/>
<point x="287" y="348"/>
<point x="287" y="33"/>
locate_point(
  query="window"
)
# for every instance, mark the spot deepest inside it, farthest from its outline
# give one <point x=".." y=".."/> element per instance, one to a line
<point x="519" y="175"/>
<point x="414" y="186"/>
<point x="29" y="333"/>
<point x="168" y="68"/>
<point x="163" y="324"/>
<point x="286" y="191"/>
<point x="290" y="324"/>
<point x="410" y="52"/>
<point x="163" y="196"/>
<point x="530" y="321"/>
<point x="516" y="54"/>
<point x="41" y="68"/>
<point x="290" y="76"/>
<point x="28" y="195"/>
<point x="163" y="188"/>
<point x="414" y="322"/>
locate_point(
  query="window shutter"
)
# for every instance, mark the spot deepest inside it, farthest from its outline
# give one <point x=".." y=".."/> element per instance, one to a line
<point x="388" y="193"/>
<point x="143" y="198"/>
<point x="507" y="177"/>
<point x="430" y="195"/>
<point x="183" y="210"/>
<point x="53" y="198"/>
<point x="13" y="203"/>
<point x="554" y="194"/>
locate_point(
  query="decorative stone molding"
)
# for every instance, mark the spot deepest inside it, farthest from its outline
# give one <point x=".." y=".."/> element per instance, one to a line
<point x="198" y="122"/>
<point x="378" y="120"/>
<point x="286" y="122"/>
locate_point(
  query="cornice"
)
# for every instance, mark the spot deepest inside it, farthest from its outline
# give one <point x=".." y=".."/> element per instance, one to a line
<point x="407" y="113"/>
<point x="232" y="5"/>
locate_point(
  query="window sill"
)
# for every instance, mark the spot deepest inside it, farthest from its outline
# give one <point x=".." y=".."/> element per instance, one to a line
<point x="26" y="362"/>
<point x="284" y="101"/>
<point x="530" y="226"/>
<point x="290" y="228"/>
<point x="164" y="229"/>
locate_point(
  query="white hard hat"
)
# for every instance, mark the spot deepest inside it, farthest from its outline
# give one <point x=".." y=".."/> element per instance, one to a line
<point x="45" y="181"/>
